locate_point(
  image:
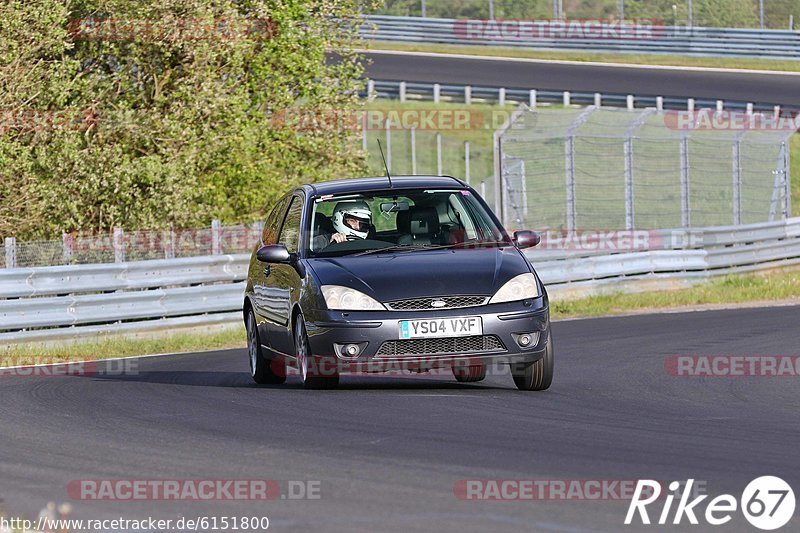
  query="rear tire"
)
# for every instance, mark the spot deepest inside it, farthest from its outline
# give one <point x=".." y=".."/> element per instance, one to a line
<point x="312" y="371"/>
<point x="262" y="370"/>
<point x="469" y="374"/>
<point x="538" y="375"/>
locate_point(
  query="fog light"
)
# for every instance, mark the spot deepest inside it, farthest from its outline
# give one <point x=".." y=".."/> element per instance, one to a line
<point x="527" y="340"/>
<point x="351" y="350"/>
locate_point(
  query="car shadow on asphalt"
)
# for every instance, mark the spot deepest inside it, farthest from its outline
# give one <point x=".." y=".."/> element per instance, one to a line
<point x="197" y="378"/>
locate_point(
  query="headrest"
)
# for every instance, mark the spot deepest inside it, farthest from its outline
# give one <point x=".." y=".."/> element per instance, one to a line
<point x="404" y="221"/>
<point x="424" y="221"/>
<point x="322" y="224"/>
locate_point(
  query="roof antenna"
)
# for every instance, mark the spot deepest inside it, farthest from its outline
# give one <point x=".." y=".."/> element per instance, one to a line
<point x="388" y="176"/>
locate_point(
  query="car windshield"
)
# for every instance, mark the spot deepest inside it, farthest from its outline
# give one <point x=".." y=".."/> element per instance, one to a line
<point x="400" y="221"/>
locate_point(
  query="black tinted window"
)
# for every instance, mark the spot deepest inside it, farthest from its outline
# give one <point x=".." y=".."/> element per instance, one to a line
<point x="273" y="223"/>
<point x="290" y="233"/>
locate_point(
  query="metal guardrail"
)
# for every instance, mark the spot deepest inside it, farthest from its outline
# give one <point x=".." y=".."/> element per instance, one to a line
<point x="401" y="90"/>
<point x="78" y="300"/>
<point x="698" y="41"/>
<point x="54" y="303"/>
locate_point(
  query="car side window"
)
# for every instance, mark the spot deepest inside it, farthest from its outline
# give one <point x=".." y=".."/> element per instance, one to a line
<point x="290" y="233"/>
<point x="273" y="224"/>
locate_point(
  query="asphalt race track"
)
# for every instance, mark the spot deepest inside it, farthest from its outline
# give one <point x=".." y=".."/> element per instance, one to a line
<point x="387" y="452"/>
<point x="741" y="86"/>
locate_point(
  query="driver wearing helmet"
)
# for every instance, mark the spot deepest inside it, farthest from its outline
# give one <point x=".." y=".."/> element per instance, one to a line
<point x="352" y="220"/>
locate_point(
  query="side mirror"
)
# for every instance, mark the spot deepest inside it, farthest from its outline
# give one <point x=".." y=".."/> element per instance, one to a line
<point x="526" y="239"/>
<point x="273" y="253"/>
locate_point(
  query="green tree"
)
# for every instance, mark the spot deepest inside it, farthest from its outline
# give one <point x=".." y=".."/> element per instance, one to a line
<point x="143" y="114"/>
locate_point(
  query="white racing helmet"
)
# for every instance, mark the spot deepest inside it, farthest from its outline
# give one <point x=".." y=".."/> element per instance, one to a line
<point x="357" y="209"/>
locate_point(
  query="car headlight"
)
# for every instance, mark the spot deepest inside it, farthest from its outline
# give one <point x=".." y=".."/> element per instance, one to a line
<point x="520" y="287"/>
<point x="347" y="299"/>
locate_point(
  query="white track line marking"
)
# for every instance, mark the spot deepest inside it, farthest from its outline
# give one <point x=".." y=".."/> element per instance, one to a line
<point x="574" y="63"/>
<point x="148" y="356"/>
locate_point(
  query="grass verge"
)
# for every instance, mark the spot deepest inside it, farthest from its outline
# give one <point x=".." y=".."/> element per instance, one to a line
<point x="772" y="287"/>
<point x="633" y="59"/>
<point x="110" y="347"/>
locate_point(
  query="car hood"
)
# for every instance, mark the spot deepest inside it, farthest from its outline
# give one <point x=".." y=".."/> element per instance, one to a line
<point x="405" y="275"/>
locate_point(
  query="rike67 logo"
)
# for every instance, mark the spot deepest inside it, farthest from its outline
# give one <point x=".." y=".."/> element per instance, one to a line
<point x="767" y="503"/>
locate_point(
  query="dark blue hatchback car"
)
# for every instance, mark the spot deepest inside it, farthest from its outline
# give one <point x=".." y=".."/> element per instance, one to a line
<point x="412" y="274"/>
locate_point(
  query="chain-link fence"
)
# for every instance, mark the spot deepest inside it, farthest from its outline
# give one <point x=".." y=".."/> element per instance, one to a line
<point x="599" y="168"/>
<point x="775" y="14"/>
<point x="120" y="245"/>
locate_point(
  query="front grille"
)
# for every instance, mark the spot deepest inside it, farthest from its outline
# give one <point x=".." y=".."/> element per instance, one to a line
<point x="424" y="304"/>
<point x="449" y="345"/>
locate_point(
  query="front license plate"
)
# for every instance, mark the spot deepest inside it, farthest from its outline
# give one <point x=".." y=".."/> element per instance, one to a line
<point x="441" y="327"/>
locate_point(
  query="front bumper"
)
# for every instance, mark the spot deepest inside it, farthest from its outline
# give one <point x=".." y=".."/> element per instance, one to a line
<point x="328" y="331"/>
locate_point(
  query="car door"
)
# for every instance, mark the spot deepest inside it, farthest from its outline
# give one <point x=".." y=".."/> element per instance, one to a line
<point x="284" y="281"/>
<point x="265" y="301"/>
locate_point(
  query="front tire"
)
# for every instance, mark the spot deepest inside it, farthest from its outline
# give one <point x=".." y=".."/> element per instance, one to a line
<point x="469" y="374"/>
<point x="538" y="375"/>
<point x="262" y="370"/>
<point x="312" y="371"/>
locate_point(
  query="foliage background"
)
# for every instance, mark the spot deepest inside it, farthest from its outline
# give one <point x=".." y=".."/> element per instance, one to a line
<point x="728" y="13"/>
<point x="167" y="130"/>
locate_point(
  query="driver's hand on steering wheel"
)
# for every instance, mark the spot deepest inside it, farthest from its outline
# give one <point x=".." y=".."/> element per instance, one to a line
<point x="338" y="237"/>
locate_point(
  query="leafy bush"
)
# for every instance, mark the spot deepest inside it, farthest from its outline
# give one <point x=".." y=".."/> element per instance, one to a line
<point x="113" y="113"/>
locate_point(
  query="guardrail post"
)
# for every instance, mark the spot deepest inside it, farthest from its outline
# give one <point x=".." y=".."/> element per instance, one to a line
<point x="468" y="94"/>
<point x="119" y="245"/>
<point x="466" y="161"/>
<point x="686" y="218"/>
<point x="777" y="111"/>
<point x="749" y="108"/>
<point x="389" y="144"/>
<point x="690" y="104"/>
<point x="402" y="92"/>
<point x="501" y="96"/>
<point x="532" y="99"/>
<point x="787" y="182"/>
<point x="169" y="243"/>
<point x="598" y="99"/>
<point x="11" y="252"/>
<point x="720" y="106"/>
<point x="364" y="131"/>
<point x="437" y="93"/>
<point x="216" y="237"/>
<point x="569" y="167"/>
<point x="629" y="102"/>
<point x="567" y="98"/>
<point x="660" y="103"/>
<point x="737" y="182"/>
<point x="497" y="152"/>
<point x="439" y="153"/>
<point x="628" y="164"/>
<point x="68" y="243"/>
<point x="413" y="150"/>
<point x="370" y="90"/>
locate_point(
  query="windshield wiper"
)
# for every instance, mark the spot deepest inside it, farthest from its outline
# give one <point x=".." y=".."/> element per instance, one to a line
<point x="429" y="247"/>
<point x="394" y="248"/>
<point x="466" y="244"/>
